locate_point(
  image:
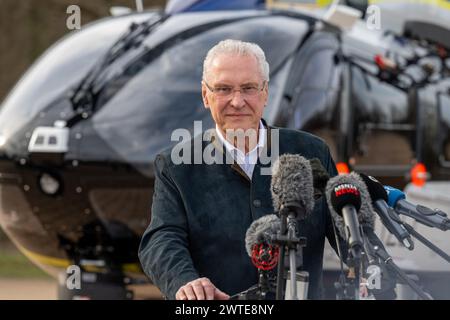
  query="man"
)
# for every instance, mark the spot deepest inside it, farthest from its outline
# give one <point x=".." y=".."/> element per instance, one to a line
<point x="194" y="247"/>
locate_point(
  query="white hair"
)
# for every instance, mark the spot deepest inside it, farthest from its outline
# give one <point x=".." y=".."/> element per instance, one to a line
<point x="240" y="48"/>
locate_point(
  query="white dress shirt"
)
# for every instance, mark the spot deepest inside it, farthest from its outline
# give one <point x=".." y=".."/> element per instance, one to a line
<point x="245" y="161"/>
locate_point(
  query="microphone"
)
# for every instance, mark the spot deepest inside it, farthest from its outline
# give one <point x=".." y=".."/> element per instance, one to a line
<point x="388" y="216"/>
<point x="292" y="185"/>
<point x="259" y="242"/>
<point x="429" y="217"/>
<point x="293" y="198"/>
<point x="374" y="247"/>
<point x="382" y="284"/>
<point x="263" y="251"/>
<point x="346" y="194"/>
<point x="320" y="177"/>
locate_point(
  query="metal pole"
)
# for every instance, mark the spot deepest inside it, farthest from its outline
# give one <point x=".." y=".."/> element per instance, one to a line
<point x="139" y="6"/>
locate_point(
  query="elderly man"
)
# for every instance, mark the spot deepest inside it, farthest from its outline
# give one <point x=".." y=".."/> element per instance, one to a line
<point x="194" y="247"/>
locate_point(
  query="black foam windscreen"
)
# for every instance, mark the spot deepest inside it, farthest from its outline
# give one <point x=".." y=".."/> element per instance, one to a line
<point x="345" y="194"/>
<point x="365" y="214"/>
<point x="376" y="189"/>
<point x="320" y="175"/>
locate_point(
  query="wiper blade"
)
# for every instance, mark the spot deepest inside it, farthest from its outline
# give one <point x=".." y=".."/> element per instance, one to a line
<point x="83" y="98"/>
<point x="133" y="38"/>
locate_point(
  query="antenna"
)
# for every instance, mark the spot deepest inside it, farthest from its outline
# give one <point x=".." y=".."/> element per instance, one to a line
<point x="331" y="8"/>
<point x="139" y="5"/>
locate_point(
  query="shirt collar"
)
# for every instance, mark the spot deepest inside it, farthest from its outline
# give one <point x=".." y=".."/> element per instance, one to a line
<point x="232" y="149"/>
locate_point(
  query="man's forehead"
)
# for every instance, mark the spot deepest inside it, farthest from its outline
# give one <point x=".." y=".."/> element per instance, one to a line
<point x="231" y="58"/>
<point x="234" y="66"/>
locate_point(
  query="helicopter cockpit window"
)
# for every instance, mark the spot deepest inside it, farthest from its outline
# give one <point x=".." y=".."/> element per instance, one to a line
<point x="443" y="106"/>
<point x="59" y="69"/>
<point x="311" y="90"/>
<point x="166" y="94"/>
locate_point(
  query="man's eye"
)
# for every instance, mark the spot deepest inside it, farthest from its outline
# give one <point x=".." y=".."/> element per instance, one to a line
<point x="223" y="89"/>
<point x="249" y="89"/>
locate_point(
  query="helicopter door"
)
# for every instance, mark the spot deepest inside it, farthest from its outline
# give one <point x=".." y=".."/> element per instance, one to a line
<point x="443" y="117"/>
<point x="312" y="89"/>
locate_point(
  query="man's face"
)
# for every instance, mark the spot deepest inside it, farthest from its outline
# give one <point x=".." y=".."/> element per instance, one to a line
<point x="236" y="110"/>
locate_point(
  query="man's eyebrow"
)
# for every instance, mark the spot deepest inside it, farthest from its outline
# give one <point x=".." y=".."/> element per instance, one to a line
<point x="221" y="84"/>
<point x="249" y="83"/>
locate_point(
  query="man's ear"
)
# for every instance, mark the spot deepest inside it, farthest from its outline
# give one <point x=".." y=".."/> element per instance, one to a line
<point x="204" y="96"/>
<point x="266" y="91"/>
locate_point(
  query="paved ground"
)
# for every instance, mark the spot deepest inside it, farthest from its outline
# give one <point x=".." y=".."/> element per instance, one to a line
<point x="42" y="289"/>
<point x="21" y="280"/>
<point x="27" y="289"/>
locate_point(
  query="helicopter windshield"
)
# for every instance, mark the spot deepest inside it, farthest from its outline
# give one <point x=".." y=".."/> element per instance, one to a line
<point x="60" y="68"/>
<point x="137" y="122"/>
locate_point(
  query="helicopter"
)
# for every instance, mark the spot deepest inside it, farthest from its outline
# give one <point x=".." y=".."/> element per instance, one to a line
<point x="80" y="130"/>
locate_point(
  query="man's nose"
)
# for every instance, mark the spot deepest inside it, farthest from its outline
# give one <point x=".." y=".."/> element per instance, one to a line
<point x="237" y="100"/>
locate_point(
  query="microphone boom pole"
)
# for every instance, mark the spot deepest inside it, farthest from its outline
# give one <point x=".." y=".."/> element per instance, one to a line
<point x="280" y="270"/>
<point x="426" y="242"/>
<point x="387" y="259"/>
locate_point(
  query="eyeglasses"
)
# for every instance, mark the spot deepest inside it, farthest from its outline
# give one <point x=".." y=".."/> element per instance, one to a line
<point x="246" y="90"/>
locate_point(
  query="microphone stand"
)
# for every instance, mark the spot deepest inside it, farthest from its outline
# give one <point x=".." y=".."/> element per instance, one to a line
<point x="349" y="290"/>
<point x="287" y="239"/>
<point x="387" y="259"/>
<point x="345" y="290"/>
<point x="426" y="242"/>
<point x="258" y="291"/>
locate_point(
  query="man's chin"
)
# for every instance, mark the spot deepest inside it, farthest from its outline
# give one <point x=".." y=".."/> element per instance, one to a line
<point x="240" y="123"/>
<point x="243" y="127"/>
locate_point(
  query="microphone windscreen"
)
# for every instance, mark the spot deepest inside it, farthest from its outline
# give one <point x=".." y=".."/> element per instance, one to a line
<point x="345" y="194"/>
<point x="320" y="175"/>
<point x="366" y="216"/>
<point x="261" y="231"/>
<point x="292" y="182"/>
<point x="394" y="195"/>
<point x="375" y="188"/>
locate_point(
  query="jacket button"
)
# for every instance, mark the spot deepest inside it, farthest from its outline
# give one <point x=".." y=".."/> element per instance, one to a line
<point x="257" y="203"/>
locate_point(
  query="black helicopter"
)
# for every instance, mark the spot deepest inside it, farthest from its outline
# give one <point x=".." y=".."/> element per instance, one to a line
<point x="80" y="131"/>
